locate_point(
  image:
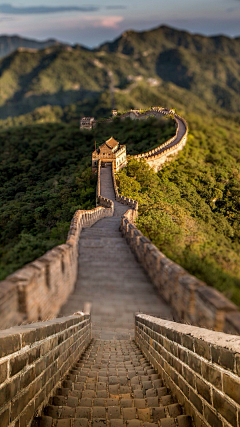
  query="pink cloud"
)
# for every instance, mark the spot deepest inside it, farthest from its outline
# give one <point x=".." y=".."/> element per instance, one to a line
<point x="110" y="22"/>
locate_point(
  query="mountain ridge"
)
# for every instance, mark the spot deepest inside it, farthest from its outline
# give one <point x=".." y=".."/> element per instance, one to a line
<point x="139" y="68"/>
<point x="9" y="44"/>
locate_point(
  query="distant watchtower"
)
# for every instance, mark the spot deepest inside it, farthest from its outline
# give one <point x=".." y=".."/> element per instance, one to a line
<point x="110" y="152"/>
<point x="87" y="123"/>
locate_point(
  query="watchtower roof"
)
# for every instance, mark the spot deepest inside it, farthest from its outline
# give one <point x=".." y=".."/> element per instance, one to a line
<point x="112" y="143"/>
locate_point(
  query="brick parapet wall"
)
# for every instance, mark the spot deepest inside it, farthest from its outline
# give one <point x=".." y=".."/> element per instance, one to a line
<point x="159" y="155"/>
<point x="33" y="360"/>
<point x="153" y="153"/>
<point x="192" y="301"/>
<point x="132" y="213"/>
<point x="38" y="290"/>
<point x="201" y="368"/>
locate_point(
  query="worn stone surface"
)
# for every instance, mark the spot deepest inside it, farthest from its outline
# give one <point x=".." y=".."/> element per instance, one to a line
<point x="105" y="366"/>
<point x="111" y="278"/>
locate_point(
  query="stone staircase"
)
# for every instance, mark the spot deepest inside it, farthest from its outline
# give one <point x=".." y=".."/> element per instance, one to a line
<point x="110" y="278"/>
<point x="112" y="385"/>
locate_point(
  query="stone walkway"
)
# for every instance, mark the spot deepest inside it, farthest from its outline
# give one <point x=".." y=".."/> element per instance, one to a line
<point x="113" y="385"/>
<point x="110" y="278"/>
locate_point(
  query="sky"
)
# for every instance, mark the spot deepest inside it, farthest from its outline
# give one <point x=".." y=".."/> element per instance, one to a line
<point x="91" y="23"/>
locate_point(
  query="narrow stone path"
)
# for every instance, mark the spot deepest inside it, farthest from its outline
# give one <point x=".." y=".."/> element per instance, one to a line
<point x="113" y="385"/>
<point x="110" y="278"/>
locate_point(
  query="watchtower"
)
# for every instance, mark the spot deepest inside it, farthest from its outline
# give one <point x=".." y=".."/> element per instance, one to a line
<point x="87" y="123"/>
<point x="110" y="152"/>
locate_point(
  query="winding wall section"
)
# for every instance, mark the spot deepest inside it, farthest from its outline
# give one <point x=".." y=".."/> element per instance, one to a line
<point x="200" y="367"/>
<point x="39" y="290"/>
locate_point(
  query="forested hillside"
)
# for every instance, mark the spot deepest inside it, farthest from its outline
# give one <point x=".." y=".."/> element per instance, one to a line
<point x="45" y="176"/>
<point x="9" y="44"/>
<point x="164" y="60"/>
<point x="191" y="208"/>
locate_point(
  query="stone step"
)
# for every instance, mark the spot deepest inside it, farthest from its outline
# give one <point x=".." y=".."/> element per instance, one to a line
<point x="113" y="385"/>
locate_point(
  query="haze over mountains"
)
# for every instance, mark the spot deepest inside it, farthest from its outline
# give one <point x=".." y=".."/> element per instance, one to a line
<point x="157" y="66"/>
<point x="9" y="44"/>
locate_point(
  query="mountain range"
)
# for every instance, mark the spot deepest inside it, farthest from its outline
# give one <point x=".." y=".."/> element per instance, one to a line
<point x="160" y="66"/>
<point x="9" y="44"/>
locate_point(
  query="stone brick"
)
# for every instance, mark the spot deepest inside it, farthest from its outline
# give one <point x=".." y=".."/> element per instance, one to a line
<point x="158" y="414"/>
<point x="183" y="386"/>
<point x="226" y="409"/>
<point x="174" y="410"/>
<point x="134" y="423"/>
<point x="129" y="413"/>
<point x="212" y="418"/>
<point x="27" y="415"/>
<point x="168" y="422"/>
<point x="99" y="412"/>
<point x="162" y="391"/>
<point x="238" y="364"/>
<point x="116" y="423"/>
<point x="212" y="375"/>
<point x="202" y="348"/>
<point x="86" y="403"/>
<point x="9" y="343"/>
<point x="126" y="403"/>
<point x="177" y="364"/>
<point x="184" y="421"/>
<point x="194" y="363"/>
<point x="112" y="402"/>
<point x="166" y="400"/>
<point x="83" y="412"/>
<point x="9" y="391"/>
<point x="188" y="342"/>
<point x="203" y="389"/>
<point x="3" y="372"/>
<point x="99" y="402"/>
<point x="231" y="387"/>
<point x="223" y="357"/>
<point x="43" y="421"/>
<point x="152" y="402"/>
<point x="189" y="376"/>
<point x="152" y="392"/>
<point x="19" y="404"/>
<point x="114" y="412"/>
<point x="183" y="355"/>
<point x="4" y="417"/>
<point x="80" y="422"/>
<point x="195" y="399"/>
<point x="63" y="423"/>
<point x="145" y="414"/>
<point x="28" y="377"/>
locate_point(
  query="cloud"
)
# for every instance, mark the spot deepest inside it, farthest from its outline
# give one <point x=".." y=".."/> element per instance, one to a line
<point x="232" y="9"/>
<point x="116" y="7"/>
<point x="110" y="22"/>
<point x="6" y="19"/>
<point x="12" y="10"/>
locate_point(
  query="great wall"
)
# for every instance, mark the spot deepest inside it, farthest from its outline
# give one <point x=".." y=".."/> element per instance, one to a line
<point x="82" y="369"/>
